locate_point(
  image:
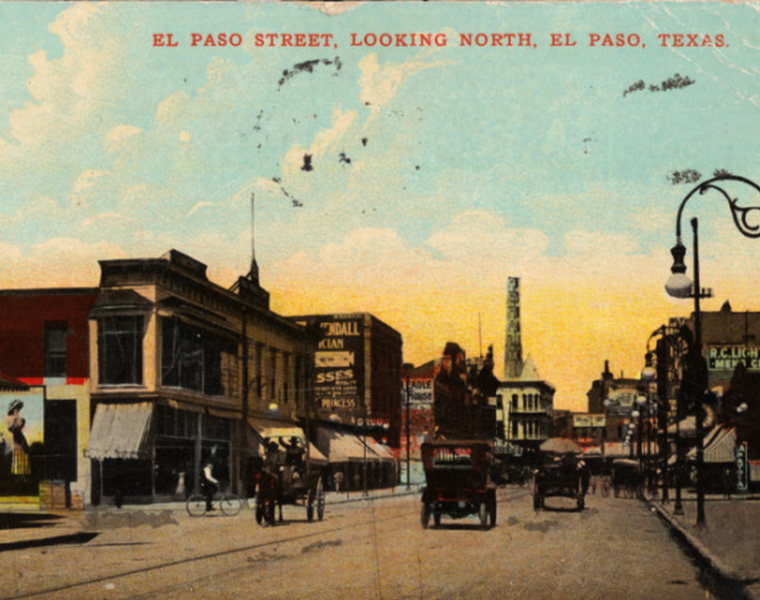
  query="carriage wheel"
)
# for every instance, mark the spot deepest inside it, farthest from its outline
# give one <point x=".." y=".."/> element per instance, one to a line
<point x="483" y="515"/>
<point x="425" y="515"/>
<point x="581" y="503"/>
<point x="320" y="500"/>
<point x="310" y="506"/>
<point x="437" y="519"/>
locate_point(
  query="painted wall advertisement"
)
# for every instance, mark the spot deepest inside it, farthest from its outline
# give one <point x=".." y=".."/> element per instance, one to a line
<point x="21" y="442"/>
<point x="727" y="357"/>
<point x="339" y="369"/>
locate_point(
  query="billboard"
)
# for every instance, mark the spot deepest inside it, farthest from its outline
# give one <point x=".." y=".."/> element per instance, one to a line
<point x="727" y="357"/>
<point x="21" y="441"/>
<point x="420" y="392"/>
<point x="339" y="367"/>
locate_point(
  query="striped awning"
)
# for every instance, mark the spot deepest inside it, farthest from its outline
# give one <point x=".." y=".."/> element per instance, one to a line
<point x="719" y="446"/>
<point x="121" y="431"/>
<point x="273" y="429"/>
<point x="343" y="447"/>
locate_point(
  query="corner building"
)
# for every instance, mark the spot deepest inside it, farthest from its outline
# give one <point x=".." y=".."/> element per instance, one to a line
<point x="182" y="369"/>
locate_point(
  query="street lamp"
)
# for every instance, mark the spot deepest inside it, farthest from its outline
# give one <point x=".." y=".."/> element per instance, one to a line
<point x="679" y="286"/>
<point x="648" y="375"/>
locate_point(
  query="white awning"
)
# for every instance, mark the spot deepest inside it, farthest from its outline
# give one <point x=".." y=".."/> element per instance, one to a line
<point x="345" y="447"/>
<point x="271" y="428"/>
<point x="719" y="446"/>
<point x="121" y="431"/>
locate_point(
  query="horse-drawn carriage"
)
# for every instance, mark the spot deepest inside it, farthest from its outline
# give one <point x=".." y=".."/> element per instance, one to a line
<point x="457" y="482"/>
<point x="562" y="477"/>
<point x="294" y="481"/>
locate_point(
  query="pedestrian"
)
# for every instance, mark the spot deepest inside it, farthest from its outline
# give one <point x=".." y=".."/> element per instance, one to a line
<point x="209" y="483"/>
<point x="338" y="480"/>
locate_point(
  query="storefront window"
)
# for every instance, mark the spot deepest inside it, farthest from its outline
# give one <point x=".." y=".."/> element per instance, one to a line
<point x="191" y="358"/>
<point x="120" y="350"/>
<point x="55" y="349"/>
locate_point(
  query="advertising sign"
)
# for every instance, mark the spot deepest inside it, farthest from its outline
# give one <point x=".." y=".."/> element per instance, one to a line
<point x="726" y="358"/>
<point x="589" y="421"/>
<point x="420" y="393"/>
<point x="339" y="367"/>
<point x="21" y="441"/>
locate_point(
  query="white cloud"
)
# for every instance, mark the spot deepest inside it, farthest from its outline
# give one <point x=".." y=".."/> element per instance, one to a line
<point x="380" y="83"/>
<point x="324" y="141"/>
<point x="119" y="134"/>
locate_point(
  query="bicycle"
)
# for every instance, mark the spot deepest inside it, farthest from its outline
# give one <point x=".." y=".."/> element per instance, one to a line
<point x="229" y="503"/>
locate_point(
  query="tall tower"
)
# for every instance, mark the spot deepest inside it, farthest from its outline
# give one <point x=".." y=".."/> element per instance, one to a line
<point x="513" y="361"/>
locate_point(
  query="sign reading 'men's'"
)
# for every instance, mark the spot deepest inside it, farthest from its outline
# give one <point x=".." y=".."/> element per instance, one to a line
<point x="726" y="358"/>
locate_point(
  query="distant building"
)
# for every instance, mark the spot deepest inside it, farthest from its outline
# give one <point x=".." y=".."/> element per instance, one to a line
<point x="615" y="399"/>
<point x="528" y="400"/>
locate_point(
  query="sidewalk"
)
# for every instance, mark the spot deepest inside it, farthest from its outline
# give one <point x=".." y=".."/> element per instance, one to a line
<point x="728" y="544"/>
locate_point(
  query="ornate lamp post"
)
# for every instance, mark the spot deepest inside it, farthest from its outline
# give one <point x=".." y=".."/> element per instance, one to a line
<point x="680" y="286"/>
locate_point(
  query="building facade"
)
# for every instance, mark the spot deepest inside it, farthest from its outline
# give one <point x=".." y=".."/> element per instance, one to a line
<point x="528" y="404"/>
<point x="44" y="347"/>
<point x="183" y="371"/>
<point x="356" y="421"/>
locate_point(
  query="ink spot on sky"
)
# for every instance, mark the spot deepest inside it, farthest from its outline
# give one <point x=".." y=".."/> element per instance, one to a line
<point x="342" y="158"/>
<point x="307" y="166"/>
<point x="308" y="67"/>
<point x="294" y="201"/>
<point x="685" y="176"/>
<point x="675" y="82"/>
<point x="364" y="142"/>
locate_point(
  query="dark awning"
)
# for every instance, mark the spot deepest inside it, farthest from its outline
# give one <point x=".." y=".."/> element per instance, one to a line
<point x="120" y="431"/>
<point x="119" y="301"/>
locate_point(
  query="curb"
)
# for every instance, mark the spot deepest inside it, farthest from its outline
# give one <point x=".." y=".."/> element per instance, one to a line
<point x="717" y="567"/>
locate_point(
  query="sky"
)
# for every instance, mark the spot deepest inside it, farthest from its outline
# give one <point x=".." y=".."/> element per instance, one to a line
<point x="409" y="182"/>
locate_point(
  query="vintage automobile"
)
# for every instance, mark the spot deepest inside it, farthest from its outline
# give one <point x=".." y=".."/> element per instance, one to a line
<point x="456" y="482"/>
<point x="561" y="477"/>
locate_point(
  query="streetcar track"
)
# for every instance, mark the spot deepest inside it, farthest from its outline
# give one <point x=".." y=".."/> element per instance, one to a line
<point x="111" y="578"/>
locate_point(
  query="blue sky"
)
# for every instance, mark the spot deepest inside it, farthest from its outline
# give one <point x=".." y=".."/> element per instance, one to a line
<point x="436" y="172"/>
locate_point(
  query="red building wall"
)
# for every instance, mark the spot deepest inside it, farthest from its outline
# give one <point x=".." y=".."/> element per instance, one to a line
<point x="23" y="314"/>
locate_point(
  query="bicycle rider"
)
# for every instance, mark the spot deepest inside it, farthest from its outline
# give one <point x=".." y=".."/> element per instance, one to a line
<point x="209" y="484"/>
